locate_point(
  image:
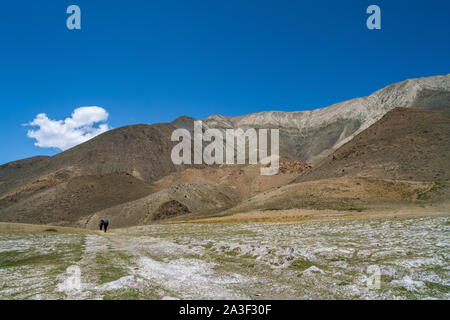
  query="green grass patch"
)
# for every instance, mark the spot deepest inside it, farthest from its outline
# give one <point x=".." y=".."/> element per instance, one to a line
<point x="300" y="265"/>
<point x="110" y="266"/>
<point x="62" y="256"/>
<point x="20" y="258"/>
<point x="233" y="252"/>
<point x="208" y="245"/>
<point x="219" y="258"/>
<point x="442" y="288"/>
<point x="122" y="294"/>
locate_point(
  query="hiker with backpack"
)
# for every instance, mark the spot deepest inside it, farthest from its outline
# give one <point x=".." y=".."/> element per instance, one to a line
<point x="105" y="225"/>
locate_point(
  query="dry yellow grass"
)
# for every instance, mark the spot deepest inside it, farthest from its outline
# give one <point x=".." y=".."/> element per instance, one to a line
<point x="6" y="227"/>
<point x="304" y="214"/>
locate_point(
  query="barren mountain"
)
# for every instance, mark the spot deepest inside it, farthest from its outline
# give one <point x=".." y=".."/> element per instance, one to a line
<point x="65" y="202"/>
<point x="38" y="189"/>
<point x="193" y="199"/>
<point x="194" y="193"/>
<point x="312" y="135"/>
<point x="245" y="179"/>
<point x="140" y="150"/>
<point x="14" y="166"/>
<point x="346" y="194"/>
<point x="406" y="144"/>
<point x="399" y="132"/>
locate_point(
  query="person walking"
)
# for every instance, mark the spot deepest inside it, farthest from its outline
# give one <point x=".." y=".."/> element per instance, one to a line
<point x="105" y="225"/>
<point x="102" y="222"/>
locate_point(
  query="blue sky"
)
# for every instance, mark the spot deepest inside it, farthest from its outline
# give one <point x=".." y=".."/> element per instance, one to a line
<point x="154" y="60"/>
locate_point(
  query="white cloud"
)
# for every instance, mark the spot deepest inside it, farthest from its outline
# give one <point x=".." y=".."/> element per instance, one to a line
<point x="64" y="134"/>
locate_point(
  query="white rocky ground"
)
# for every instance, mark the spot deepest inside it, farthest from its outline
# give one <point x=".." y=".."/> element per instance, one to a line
<point x="326" y="259"/>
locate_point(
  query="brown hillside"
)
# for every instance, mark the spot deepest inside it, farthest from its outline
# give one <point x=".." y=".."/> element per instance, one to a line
<point x="14" y="166"/>
<point x="140" y="150"/>
<point x="347" y="194"/>
<point x="405" y="144"/>
<point x="127" y="173"/>
<point x="193" y="199"/>
<point x="36" y="189"/>
<point x="65" y="202"/>
<point x="245" y="179"/>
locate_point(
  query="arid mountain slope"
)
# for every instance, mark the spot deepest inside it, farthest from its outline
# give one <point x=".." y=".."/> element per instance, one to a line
<point x="405" y="144"/>
<point x="120" y="162"/>
<point x="194" y="199"/>
<point x="14" y="166"/>
<point x="140" y="150"/>
<point x="65" y="202"/>
<point x="312" y="135"/>
<point x="195" y="193"/>
<point x="245" y="179"/>
<point x="144" y="150"/>
<point x="128" y="174"/>
<point x="347" y="194"/>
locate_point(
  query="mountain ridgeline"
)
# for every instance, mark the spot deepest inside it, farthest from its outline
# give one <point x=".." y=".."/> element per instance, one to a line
<point x="398" y="133"/>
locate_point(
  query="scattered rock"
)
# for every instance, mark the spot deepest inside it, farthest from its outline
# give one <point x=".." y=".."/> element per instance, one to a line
<point x="170" y="209"/>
